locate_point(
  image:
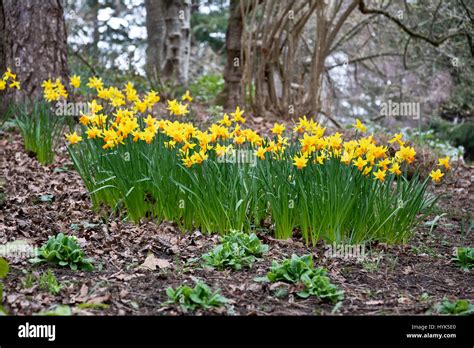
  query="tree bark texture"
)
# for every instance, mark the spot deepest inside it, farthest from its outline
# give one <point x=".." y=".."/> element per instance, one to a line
<point x="169" y="39"/>
<point x="34" y="44"/>
<point x="2" y="40"/>
<point x="233" y="69"/>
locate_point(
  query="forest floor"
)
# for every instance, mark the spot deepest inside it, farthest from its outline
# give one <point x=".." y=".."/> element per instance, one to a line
<point x="42" y="201"/>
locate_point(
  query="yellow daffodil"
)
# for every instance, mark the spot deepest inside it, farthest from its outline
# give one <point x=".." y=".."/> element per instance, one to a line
<point x="93" y="132"/>
<point x="300" y="161"/>
<point x="141" y="106"/>
<point x="15" y="84"/>
<point x="359" y="163"/>
<point x="320" y="158"/>
<point x="73" y="138"/>
<point x="94" y="107"/>
<point x="347" y="157"/>
<point x="278" y="129"/>
<point x="397" y="138"/>
<point x="360" y="126"/>
<point x="367" y="170"/>
<point x="176" y="108"/>
<point x="147" y="136"/>
<point x="9" y="75"/>
<point x="152" y="98"/>
<point x="220" y="150"/>
<point x="239" y="140"/>
<point x="444" y="162"/>
<point x="238" y="115"/>
<point x="95" y="83"/>
<point x="395" y="169"/>
<point x="199" y="157"/>
<point x="380" y="175"/>
<point x="225" y="121"/>
<point x="334" y="141"/>
<point x="187" y="161"/>
<point x="384" y="164"/>
<point x="260" y="153"/>
<point x="187" y="97"/>
<point x="84" y="120"/>
<point x="104" y="94"/>
<point x="99" y="120"/>
<point x="75" y="81"/>
<point x="109" y="144"/>
<point x="436" y="175"/>
<point x="187" y="146"/>
<point x="117" y="102"/>
<point x="406" y="153"/>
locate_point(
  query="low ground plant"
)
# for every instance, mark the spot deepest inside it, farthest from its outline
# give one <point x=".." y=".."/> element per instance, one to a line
<point x="208" y="87"/>
<point x="48" y="282"/>
<point x="190" y="299"/>
<point x="301" y="270"/>
<point x="28" y="280"/>
<point x="236" y="250"/>
<point x="4" y="268"/>
<point x="63" y="251"/>
<point x="56" y="310"/>
<point x="457" y="307"/>
<point x="464" y="258"/>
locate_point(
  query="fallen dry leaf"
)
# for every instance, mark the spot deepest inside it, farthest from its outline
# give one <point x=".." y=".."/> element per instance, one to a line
<point x="81" y="297"/>
<point x="99" y="299"/>
<point x="151" y="262"/>
<point x="403" y="300"/>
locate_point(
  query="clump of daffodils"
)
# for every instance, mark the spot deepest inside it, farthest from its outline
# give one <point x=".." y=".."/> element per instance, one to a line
<point x="9" y="80"/>
<point x="324" y="184"/>
<point x="54" y="91"/>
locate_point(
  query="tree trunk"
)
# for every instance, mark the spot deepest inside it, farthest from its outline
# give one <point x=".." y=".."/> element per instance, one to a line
<point x="95" y="34"/>
<point x="168" y="29"/>
<point x="35" y="45"/>
<point x="156" y="29"/>
<point x="317" y="63"/>
<point x="233" y="69"/>
<point x="177" y="41"/>
<point x="2" y="40"/>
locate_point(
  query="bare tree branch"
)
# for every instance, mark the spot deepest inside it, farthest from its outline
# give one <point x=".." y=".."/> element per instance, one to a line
<point x="82" y="59"/>
<point x="360" y="59"/>
<point x="435" y="42"/>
